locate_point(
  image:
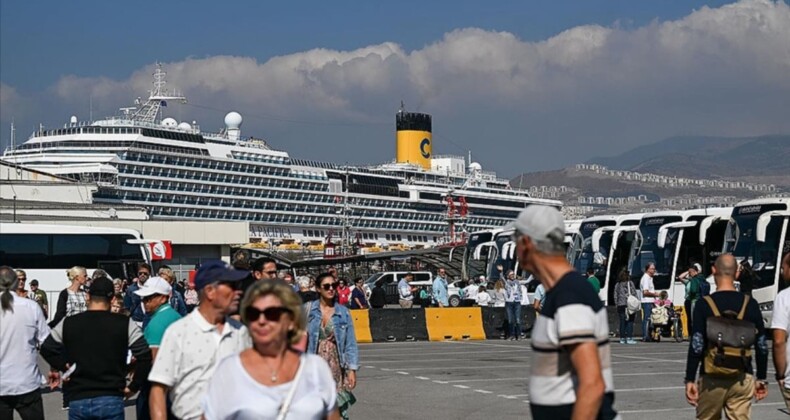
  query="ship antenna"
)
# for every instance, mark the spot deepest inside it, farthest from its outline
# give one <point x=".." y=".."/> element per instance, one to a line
<point x="159" y="95"/>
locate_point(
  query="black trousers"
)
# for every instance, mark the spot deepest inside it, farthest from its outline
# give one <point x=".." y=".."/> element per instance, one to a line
<point x="29" y="406"/>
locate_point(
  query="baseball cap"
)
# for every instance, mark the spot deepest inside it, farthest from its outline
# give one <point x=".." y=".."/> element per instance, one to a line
<point x="101" y="287"/>
<point x="34" y="282"/>
<point x="541" y="223"/>
<point x="697" y="267"/>
<point x="154" y="286"/>
<point x="217" y="270"/>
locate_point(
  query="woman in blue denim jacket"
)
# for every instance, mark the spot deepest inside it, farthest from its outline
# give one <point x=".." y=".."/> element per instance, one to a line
<point x="330" y="334"/>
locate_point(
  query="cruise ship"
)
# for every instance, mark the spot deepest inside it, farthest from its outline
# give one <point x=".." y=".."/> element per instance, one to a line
<point x="176" y="171"/>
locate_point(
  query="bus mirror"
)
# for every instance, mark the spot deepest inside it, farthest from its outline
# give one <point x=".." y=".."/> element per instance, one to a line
<point x="765" y="219"/>
<point x="662" y="237"/>
<point x="704" y="225"/>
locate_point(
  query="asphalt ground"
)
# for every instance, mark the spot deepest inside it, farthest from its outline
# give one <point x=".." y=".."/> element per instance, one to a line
<point x="489" y="379"/>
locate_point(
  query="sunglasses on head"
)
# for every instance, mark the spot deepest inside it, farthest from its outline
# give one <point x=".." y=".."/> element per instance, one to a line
<point x="328" y="286"/>
<point x="272" y="314"/>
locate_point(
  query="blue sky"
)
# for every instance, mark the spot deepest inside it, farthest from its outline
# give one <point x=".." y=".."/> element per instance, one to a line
<point x="435" y="55"/>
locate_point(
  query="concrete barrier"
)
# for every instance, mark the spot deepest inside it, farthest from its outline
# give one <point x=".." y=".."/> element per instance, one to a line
<point x="397" y="325"/>
<point x="361" y="319"/>
<point x="454" y="324"/>
<point x="495" y="320"/>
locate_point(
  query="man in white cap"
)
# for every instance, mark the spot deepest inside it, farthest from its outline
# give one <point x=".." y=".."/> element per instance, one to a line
<point x="571" y="367"/>
<point x="155" y="294"/>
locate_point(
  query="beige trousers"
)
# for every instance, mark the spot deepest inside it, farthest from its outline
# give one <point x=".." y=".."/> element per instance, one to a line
<point x="733" y="395"/>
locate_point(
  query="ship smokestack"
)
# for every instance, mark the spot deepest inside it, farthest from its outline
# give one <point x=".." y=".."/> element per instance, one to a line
<point x="414" y="143"/>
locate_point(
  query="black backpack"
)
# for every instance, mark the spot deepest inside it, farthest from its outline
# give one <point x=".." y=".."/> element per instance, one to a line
<point x="730" y="341"/>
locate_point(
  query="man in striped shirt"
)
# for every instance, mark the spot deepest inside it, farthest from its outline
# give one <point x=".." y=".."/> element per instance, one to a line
<point x="571" y="368"/>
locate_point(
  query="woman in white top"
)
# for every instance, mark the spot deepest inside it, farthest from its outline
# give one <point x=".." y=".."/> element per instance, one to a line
<point x="271" y="378"/>
<point x="483" y="298"/>
<point x="499" y="294"/>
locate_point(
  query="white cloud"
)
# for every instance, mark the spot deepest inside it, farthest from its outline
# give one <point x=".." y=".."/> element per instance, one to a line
<point x="587" y="91"/>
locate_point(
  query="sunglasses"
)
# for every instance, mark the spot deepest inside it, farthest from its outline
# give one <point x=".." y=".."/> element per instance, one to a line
<point x="272" y="314"/>
<point x="328" y="286"/>
<point x="143" y="273"/>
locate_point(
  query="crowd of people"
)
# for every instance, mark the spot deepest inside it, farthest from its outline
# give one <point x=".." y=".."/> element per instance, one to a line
<point x="187" y="351"/>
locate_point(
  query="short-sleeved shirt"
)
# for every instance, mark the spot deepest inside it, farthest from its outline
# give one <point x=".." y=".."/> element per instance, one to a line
<point x="234" y="394"/>
<point x="540" y="294"/>
<point x="162" y="317"/>
<point x="404" y="290"/>
<point x="780" y="320"/>
<point x="572" y="314"/>
<point x="190" y="351"/>
<point x="646" y="284"/>
<point x="21" y="330"/>
<point x="596" y="284"/>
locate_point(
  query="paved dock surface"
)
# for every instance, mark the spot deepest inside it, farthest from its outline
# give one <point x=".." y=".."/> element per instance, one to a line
<point x="488" y="380"/>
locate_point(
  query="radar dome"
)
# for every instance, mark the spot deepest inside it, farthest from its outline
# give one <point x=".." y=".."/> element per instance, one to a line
<point x="169" y="122"/>
<point x="73" y="119"/>
<point x="233" y="120"/>
<point x="474" y="166"/>
<point x="185" y="126"/>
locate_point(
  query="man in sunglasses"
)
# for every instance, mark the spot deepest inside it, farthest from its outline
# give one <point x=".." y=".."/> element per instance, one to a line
<point x="132" y="301"/>
<point x="192" y="346"/>
<point x="155" y="294"/>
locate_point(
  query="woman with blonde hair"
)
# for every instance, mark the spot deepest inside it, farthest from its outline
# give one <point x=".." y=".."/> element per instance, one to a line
<point x="499" y="294"/>
<point x="271" y="379"/>
<point x="71" y="300"/>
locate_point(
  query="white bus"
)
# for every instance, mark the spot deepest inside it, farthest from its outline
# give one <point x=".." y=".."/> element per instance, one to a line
<point x="486" y="250"/>
<point x="759" y="233"/>
<point x="45" y="252"/>
<point x="674" y="240"/>
<point x="604" y="243"/>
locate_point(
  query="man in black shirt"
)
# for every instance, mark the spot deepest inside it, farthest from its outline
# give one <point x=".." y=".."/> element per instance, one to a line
<point x="95" y="345"/>
<point x="378" y="296"/>
<point x="713" y="393"/>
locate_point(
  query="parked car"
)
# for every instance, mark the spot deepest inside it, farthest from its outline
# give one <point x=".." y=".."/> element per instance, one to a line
<point x="422" y="279"/>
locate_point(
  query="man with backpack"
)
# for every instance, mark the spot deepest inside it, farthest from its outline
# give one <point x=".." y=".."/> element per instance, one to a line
<point x="727" y="324"/>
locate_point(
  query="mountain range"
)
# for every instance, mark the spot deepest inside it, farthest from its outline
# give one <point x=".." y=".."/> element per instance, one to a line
<point x="708" y="157"/>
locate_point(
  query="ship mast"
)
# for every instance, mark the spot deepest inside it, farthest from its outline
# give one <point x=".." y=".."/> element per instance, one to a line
<point x="159" y="95"/>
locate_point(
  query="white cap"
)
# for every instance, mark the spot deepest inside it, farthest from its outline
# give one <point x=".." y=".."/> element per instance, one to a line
<point x="697" y="267"/>
<point x="154" y="286"/>
<point x="540" y="223"/>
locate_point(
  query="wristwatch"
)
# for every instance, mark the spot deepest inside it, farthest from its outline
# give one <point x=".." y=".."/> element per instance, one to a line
<point x="779" y="376"/>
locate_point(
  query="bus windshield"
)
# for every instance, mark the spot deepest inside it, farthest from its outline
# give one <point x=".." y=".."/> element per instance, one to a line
<point x="584" y="256"/>
<point x="476" y="267"/>
<point x="646" y="250"/>
<point x="741" y="241"/>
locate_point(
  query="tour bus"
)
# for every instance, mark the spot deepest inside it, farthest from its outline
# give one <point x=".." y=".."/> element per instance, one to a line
<point x="45" y="252"/>
<point x="489" y="249"/>
<point x="674" y="240"/>
<point x="477" y="253"/>
<point x="698" y="239"/>
<point x="759" y="232"/>
<point x="604" y="243"/>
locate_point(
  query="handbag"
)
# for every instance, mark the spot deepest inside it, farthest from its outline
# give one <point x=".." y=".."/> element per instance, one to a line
<point x="632" y="302"/>
<point x="294" y="384"/>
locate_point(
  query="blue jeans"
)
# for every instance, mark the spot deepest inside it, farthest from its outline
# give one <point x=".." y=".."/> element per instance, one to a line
<point x="97" y="408"/>
<point x="513" y="310"/>
<point x="626" y="324"/>
<point x="647" y="309"/>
